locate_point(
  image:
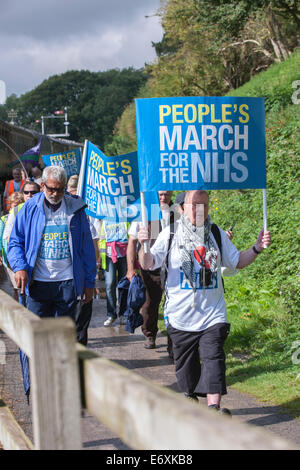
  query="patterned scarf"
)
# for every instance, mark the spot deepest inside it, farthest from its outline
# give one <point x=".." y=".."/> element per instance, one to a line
<point x="193" y="237"/>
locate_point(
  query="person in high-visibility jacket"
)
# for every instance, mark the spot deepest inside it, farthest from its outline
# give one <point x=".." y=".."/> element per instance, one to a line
<point x="12" y="186"/>
<point x="113" y="247"/>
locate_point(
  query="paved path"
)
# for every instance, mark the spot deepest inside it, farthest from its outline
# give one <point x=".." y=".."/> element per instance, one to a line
<point x="127" y="350"/>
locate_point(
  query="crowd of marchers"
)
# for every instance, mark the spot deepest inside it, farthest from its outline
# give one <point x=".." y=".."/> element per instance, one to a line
<point x="53" y="253"/>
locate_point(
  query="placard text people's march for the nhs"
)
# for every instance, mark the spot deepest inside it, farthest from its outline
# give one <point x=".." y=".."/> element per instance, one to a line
<point x="111" y="187"/>
<point x="201" y="143"/>
<point x="70" y="161"/>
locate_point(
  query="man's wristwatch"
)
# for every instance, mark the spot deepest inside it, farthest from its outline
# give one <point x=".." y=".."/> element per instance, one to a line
<point x="255" y="250"/>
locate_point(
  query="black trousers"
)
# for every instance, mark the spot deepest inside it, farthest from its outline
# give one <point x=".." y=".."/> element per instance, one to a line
<point x="83" y="315"/>
<point x="207" y="376"/>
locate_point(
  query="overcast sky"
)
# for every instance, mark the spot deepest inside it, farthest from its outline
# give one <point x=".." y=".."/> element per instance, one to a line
<point x="40" y="38"/>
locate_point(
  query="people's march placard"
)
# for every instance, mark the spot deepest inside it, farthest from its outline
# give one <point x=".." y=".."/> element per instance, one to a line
<point x="110" y="187"/>
<point x="201" y="143"/>
<point x="70" y="161"/>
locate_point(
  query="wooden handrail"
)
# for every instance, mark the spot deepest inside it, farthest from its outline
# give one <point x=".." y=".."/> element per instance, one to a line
<point x="51" y="346"/>
<point x="142" y="414"/>
<point x="147" y="416"/>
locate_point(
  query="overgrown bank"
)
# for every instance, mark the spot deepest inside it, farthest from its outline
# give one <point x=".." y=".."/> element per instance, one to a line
<point x="263" y="299"/>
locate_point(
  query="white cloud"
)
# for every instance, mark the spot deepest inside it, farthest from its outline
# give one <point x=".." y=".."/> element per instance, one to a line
<point x="116" y="38"/>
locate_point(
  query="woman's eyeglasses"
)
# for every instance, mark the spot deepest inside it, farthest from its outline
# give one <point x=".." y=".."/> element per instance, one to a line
<point x="30" y="192"/>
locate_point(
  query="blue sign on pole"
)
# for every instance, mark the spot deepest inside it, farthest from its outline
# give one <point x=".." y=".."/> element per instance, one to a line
<point x="110" y="187"/>
<point x="70" y="161"/>
<point x="201" y="143"/>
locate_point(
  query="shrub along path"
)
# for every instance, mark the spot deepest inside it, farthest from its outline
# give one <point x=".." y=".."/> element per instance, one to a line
<point x="128" y="351"/>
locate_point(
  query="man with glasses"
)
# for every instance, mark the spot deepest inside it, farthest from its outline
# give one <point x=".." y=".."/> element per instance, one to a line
<point x="51" y="250"/>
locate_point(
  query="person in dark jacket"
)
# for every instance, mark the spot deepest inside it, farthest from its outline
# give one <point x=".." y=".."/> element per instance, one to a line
<point x="51" y="250"/>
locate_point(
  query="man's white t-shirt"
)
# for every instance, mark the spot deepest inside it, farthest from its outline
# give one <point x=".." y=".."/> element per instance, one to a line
<point x="185" y="310"/>
<point x="134" y="229"/>
<point x="54" y="260"/>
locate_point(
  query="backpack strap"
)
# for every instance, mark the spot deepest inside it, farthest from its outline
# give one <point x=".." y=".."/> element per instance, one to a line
<point x="217" y="234"/>
<point x="172" y="232"/>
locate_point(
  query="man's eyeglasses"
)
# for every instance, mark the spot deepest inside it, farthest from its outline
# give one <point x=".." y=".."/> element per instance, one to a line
<point x="30" y="192"/>
<point x="55" y="190"/>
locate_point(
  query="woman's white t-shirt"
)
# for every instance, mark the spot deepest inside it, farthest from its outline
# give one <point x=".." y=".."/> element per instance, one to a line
<point x="185" y="310"/>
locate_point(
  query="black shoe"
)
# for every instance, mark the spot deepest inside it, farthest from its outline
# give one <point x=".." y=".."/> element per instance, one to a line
<point x="149" y="343"/>
<point x="222" y="411"/>
<point x="191" y="396"/>
<point x="225" y="411"/>
<point x="214" y="407"/>
<point x="170" y="348"/>
<point x="170" y="353"/>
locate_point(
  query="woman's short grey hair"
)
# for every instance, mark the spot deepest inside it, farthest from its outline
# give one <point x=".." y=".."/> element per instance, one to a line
<point x="73" y="182"/>
<point x="56" y="173"/>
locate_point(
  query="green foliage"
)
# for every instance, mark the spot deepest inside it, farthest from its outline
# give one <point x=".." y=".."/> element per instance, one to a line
<point x="187" y="66"/>
<point x="232" y="15"/>
<point x="275" y="84"/>
<point x="212" y="46"/>
<point x="263" y="299"/>
<point x="276" y="272"/>
<point x="166" y="46"/>
<point x="124" y="137"/>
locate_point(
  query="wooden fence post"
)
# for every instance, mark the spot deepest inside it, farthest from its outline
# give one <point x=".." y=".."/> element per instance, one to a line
<point x="55" y="386"/>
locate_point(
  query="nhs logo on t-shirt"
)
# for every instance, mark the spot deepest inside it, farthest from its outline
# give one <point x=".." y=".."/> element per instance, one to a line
<point x="55" y="243"/>
<point x="186" y="285"/>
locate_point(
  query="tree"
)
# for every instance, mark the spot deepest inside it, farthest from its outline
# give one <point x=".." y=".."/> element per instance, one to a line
<point x="275" y="20"/>
<point x="95" y="101"/>
<point x="189" y="68"/>
<point x="210" y="47"/>
<point x="221" y="44"/>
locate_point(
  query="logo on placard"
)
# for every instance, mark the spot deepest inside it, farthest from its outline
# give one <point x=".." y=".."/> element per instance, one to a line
<point x="296" y="94"/>
<point x="296" y="354"/>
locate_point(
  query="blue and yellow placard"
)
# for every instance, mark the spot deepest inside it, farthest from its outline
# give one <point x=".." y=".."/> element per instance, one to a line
<point x="110" y="187"/>
<point x="70" y="161"/>
<point x="201" y="143"/>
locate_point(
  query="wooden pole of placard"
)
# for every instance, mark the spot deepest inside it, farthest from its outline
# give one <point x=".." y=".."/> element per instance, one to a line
<point x="265" y="210"/>
<point x="144" y="219"/>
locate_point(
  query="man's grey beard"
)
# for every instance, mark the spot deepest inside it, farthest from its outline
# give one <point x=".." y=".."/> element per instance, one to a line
<point x="51" y="201"/>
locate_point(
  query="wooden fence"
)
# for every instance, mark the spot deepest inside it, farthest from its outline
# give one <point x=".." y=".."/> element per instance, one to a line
<point x="143" y="415"/>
